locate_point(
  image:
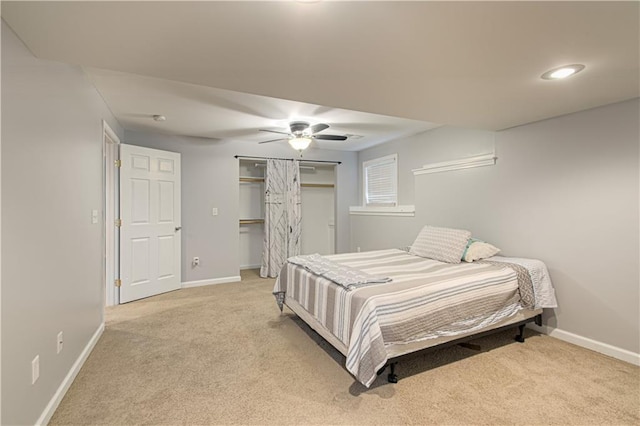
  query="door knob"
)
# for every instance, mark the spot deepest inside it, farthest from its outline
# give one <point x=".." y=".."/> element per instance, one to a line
<point x="178" y="228"/>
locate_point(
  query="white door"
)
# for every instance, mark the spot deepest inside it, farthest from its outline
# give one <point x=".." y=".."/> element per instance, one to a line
<point x="150" y="229"/>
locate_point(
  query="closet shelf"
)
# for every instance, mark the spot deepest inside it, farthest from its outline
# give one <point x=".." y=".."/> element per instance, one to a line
<point x="317" y="185"/>
<point x="250" y="221"/>
<point x="304" y="185"/>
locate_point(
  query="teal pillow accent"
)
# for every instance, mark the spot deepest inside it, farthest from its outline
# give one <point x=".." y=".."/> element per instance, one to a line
<point x="469" y="242"/>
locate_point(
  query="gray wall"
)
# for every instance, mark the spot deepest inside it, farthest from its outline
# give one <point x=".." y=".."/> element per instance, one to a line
<point x="210" y="179"/>
<point x="441" y="144"/>
<point x="52" y="257"/>
<point x="564" y="190"/>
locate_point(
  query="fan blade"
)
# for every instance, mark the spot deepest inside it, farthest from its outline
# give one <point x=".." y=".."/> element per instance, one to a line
<point x="274" y="140"/>
<point x="330" y="137"/>
<point x="274" y="131"/>
<point x="318" y="128"/>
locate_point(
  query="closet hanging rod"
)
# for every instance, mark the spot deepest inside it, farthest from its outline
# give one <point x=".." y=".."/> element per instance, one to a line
<point x="288" y="159"/>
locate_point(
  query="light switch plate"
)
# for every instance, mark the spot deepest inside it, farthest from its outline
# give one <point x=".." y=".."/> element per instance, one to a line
<point x="35" y="369"/>
<point x="214" y="211"/>
<point x="60" y="342"/>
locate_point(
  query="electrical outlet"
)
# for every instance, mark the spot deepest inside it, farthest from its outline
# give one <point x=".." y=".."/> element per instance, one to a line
<point x="358" y="249"/>
<point x="35" y="369"/>
<point x="214" y="211"/>
<point x="60" y="340"/>
<point x="195" y="261"/>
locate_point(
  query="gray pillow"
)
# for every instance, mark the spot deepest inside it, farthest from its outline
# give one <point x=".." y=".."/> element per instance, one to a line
<point x="443" y="244"/>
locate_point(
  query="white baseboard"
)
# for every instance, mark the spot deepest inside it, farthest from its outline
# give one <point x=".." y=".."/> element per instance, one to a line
<point x="200" y="283"/>
<point x="594" y="345"/>
<point x="243" y="267"/>
<point x="69" y="378"/>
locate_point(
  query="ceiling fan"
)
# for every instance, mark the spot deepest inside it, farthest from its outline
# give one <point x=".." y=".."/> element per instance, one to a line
<point x="301" y="134"/>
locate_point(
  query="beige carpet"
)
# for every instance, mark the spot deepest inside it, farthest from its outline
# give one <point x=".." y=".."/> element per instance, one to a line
<point x="224" y="354"/>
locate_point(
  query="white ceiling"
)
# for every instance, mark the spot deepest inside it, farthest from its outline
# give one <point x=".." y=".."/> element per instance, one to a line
<point x="202" y="111"/>
<point x="469" y="64"/>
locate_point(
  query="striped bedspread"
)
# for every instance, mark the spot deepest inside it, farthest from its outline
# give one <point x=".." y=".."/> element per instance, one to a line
<point x="425" y="299"/>
<point x="339" y="273"/>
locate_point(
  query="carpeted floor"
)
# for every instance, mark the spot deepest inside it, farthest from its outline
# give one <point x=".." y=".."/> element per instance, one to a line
<point x="224" y="354"/>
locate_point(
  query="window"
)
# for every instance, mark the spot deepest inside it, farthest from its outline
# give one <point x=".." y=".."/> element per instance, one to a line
<point x="381" y="181"/>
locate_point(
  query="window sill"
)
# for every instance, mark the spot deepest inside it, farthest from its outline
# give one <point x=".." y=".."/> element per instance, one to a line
<point x="402" y="211"/>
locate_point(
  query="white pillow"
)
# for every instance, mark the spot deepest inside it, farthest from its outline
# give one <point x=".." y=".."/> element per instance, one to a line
<point x="480" y="250"/>
<point x="443" y="244"/>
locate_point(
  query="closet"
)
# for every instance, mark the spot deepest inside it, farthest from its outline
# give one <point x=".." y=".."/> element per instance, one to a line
<point x="318" y="194"/>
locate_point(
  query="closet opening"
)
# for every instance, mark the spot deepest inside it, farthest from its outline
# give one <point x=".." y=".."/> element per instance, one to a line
<point x="318" y="193"/>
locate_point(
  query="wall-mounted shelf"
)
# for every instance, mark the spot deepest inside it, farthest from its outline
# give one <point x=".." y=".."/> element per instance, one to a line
<point x="463" y="163"/>
<point x="250" y="221"/>
<point x="251" y="179"/>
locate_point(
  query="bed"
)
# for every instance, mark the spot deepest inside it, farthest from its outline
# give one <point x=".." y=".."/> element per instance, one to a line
<point x="425" y="302"/>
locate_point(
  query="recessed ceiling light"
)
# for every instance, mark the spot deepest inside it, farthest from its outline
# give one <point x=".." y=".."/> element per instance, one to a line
<point x="562" y="72"/>
<point x="159" y="117"/>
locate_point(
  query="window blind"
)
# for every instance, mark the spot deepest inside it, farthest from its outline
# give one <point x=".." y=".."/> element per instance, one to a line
<point x="381" y="181"/>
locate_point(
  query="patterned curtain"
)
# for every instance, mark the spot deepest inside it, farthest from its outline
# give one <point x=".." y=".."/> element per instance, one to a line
<point x="282" y="223"/>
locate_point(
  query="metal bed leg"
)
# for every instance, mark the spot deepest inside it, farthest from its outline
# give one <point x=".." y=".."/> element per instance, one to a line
<point x="520" y="336"/>
<point x="392" y="377"/>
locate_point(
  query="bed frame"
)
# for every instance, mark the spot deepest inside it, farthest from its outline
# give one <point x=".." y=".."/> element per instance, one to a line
<point x="400" y="352"/>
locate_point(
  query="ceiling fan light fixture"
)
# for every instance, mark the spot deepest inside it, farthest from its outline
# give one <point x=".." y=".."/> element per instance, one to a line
<point x="300" y="134"/>
<point x="300" y="143"/>
<point x="562" y="72"/>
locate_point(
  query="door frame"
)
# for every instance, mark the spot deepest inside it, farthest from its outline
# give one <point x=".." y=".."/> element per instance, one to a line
<point x="111" y="196"/>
